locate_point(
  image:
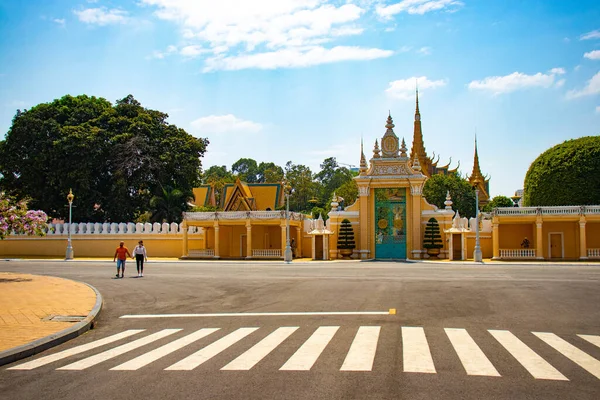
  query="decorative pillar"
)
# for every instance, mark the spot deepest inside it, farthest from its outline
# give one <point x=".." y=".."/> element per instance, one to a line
<point x="283" y="239"/>
<point x="539" y="249"/>
<point x="217" y="251"/>
<point x="416" y="190"/>
<point x="495" y="239"/>
<point x="582" y="239"/>
<point x="298" y="242"/>
<point x="185" y="238"/>
<point x="248" y="239"/>
<point x="363" y="193"/>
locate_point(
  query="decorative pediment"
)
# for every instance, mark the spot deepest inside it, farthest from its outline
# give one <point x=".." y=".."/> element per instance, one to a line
<point x="239" y="199"/>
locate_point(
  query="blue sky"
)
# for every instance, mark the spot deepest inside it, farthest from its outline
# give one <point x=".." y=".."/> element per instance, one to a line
<point x="303" y="80"/>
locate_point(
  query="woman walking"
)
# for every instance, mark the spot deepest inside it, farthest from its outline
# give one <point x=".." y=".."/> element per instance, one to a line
<point x="139" y="253"/>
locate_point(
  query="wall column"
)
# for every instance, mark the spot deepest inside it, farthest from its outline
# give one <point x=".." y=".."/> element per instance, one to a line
<point x="414" y="252"/>
<point x="283" y="239"/>
<point x="184" y="228"/>
<point x="495" y="239"/>
<point x="363" y="248"/>
<point x="539" y="248"/>
<point x="582" y="239"/>
<point x="248" y="239"/>
<point x="217" y="252"/>
<point x="298" y="236"/>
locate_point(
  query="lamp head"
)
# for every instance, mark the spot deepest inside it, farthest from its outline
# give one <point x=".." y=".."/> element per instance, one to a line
<point x="70" y="196"/>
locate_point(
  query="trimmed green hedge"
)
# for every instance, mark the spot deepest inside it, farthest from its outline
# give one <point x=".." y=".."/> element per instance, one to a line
<point x="566" y="174"/>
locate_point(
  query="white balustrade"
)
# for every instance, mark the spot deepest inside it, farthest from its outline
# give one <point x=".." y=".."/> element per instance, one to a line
<point x="81" y="228"/>
<point x="105" y="228"/>
<point x="130" y="227"/>
<point x="266" y="253"/>
<point x="147" y="227"/>
<point x="593" y="253"/>
<point x="517" y="253"/>
<point x="174" y="228"/>
<point x="201" y="252"/>
<point x="139" y="227"/>
<point x="122" y="228"/>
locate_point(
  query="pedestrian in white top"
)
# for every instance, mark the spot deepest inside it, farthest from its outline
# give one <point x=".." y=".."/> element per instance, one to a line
<point x="139" y="253"/>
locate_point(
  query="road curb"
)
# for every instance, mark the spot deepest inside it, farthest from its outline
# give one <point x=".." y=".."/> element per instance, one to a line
<point x="39" y="345"/>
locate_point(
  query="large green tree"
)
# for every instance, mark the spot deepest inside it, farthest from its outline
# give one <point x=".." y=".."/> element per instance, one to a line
<point x="114" y="157"/>
<point x="299" y="178"/>
<point x="331" y="177"/>
<point x="566" y="174"/>
<point x="498" y="201"/>
<point x="246" y="169"/>
<point x="463" y="195"/>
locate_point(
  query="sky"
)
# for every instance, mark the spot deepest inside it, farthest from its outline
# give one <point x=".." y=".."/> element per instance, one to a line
<point x="305" y="80"/>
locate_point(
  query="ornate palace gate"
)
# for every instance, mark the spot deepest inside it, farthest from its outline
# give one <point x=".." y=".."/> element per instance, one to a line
<point x="390" y="223"/>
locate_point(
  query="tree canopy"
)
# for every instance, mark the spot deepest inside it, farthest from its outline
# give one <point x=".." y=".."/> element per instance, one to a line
<point x="114" y="157"/>
<point x="566" y="174"/>
<point x="463" y="195"/>
<point x="498" y="201"/>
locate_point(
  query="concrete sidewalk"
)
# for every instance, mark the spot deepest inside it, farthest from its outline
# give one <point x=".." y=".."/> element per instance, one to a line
<point x="38" y="312"/>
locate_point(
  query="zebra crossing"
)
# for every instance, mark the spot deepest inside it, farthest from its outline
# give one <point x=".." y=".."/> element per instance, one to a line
<point x="359" y="356"/>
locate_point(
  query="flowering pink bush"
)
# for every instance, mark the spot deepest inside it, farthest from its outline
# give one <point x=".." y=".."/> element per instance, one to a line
<point x="15" y="218"/>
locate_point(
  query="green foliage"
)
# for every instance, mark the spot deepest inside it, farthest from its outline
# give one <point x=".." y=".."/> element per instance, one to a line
<point x="432" y="238"/>
<point x="316" y="211"/>
<point x="245" y="169"/>
<point x="269" y="173"/>
<point x="498" y="201"/>
<point x="463" y="195"/>
<point x="348" y="191"/>
<point x="566" y="174"/>
<point x="330" y="178"/>
<point x="299" y="178"/>
<point x="113" y="157"/>
<point x="346" y="236"/>
<point x="168" y="205"/>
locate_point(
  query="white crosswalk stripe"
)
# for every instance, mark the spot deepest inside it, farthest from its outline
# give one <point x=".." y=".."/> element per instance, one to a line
<point x="417" y="357"/>
<point x="593" y="339"/>
<point x="307" y="355"/>
<point x="75" y="350"/>
<point x="162" y="351"/>
<point x="117" y="351"/>
<point x="260" y="350"/>
<point x="584" y="360"/>
<point x="471" y="356"/>
<point x="533" y="363"/>
<point x="205" y="354"/>
<point x="362" y="351"/>
<point x="360" y="355"/>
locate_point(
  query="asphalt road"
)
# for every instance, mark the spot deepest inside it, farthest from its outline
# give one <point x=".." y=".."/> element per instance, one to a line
<point x="417" y="353"/>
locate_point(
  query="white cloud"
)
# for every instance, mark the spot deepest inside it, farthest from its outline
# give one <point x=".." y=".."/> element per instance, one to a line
<point x="249" y="34"/>
<point x="192" y="51"/>
<point x="590" y="35"/>
<point x="517" y="81"/>
<point x="424" y="50"/>
<point x="593" y="55"/>
<point x="598" y="109"/>
<point x="224" y="124"/>
<point x="101" y="16"/>
<point x="417" y="7"/>
<point x="592" y="88"/>
<point x="294" y="58"/>
<point x="405" y="88"/>
<point x="59" y="21"/>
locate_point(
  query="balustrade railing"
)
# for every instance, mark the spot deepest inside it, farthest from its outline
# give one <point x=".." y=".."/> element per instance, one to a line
<point x="106" y="228"/>
<point x="266" y="253"/>
<point x="230" y="215"/>
<point x="517" y="253"/>
<point x="558" y="210"/>
<point x="593" y="253"/>
<point x="201" y="252"/>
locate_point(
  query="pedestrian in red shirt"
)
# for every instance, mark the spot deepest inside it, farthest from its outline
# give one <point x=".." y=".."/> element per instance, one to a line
<point x="121" y="256"/>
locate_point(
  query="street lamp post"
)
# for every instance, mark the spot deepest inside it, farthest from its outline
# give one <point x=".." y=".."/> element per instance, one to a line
<point x="287" y="254"/>
<point x="70" y="198"/>
<point x="477" y="257"/>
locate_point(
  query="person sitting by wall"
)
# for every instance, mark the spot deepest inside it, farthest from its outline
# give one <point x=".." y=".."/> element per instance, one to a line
<point x="525" y="243"/>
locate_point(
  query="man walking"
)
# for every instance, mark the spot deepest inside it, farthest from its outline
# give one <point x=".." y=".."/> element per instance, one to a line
<point x="121" y="255"/>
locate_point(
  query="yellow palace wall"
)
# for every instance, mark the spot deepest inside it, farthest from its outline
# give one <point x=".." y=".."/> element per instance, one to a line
<point x="95" y="245"/>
